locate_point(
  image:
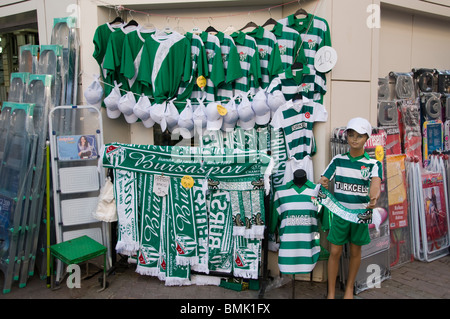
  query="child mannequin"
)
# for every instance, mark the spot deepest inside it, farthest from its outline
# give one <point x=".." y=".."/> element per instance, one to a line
<point x="354" y="168"/>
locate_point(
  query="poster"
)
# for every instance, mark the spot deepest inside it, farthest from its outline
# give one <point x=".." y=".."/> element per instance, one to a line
<point x="74" y="147"/>
<point x="396" y="184"/>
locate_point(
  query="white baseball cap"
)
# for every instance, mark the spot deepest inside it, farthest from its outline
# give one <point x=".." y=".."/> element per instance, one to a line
<point x="142" y="108"/>
<point x="126" y="105"/>
<point x="275" y="100"/>
<point x="112" y="101"/>
<point x="94" y="93"/>
<point x="199" y="116"/>
<point x="171" y="115"/>
<point x="261" y="108"/>
<point x="186" y="121"/>
<point x="157" y="112"/>
<point x="214" y="118"/>
<point x="232" y="115"/>
<point x="360" y="125"/>
<point x="246" y="114"/>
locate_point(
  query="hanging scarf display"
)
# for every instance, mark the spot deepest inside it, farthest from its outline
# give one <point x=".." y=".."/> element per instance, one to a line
<point x="246" y="255"/>
<point x="201" y="221"/>
<point x="151" y="220"/>
<point x="220" y="232"/>
<point x="358" y="216"/>
<point x="125" y="192"/>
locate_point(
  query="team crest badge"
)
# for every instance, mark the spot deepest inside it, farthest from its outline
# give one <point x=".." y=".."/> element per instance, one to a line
<point x="115" y="154"/>
<point x="364" y="171"/>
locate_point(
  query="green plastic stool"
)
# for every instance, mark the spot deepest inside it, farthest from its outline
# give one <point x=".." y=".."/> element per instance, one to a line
<point x="76" y="251"/>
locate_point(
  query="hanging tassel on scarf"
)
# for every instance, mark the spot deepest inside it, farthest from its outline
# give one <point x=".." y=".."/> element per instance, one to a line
<point x="125" y="193"/>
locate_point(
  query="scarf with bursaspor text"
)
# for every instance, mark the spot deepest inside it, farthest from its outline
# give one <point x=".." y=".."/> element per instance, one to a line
<point x="326" y="199"/>
<point x="189" y="235"/>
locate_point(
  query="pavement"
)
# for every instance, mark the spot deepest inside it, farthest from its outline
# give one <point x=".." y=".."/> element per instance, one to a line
<point x="411" y="280"/>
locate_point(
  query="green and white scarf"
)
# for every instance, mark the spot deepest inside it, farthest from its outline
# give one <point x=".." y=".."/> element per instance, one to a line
<point x="151" y="219"/>
<point x="246" y="256"/>
<point x="220" y="232"/>
<point x="125" y="193"/>
<point x="358" y="216"/>
<point x="201" y="221"/>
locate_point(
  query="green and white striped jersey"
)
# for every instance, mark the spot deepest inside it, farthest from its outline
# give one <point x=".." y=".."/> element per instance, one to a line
<point x="298" y="230"/>
<point x="165" y="63"/>
<point x="269" y="54"/>
<point x="216" y="73"/>
<point x="352" y="178"/>
<point x="231" y="65"/>
<point x="317" y="36"/>
<point x="199" y="67"/>
<point x="292" y="82"/>
<point x="131" y="59"/>
<point x="297" y="118"/>
<point x="250" y="64"/>
<point x="288" y="41"/>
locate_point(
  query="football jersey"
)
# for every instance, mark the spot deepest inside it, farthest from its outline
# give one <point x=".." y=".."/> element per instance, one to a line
<point x="352" y="178"/>
<point x="297" y="121"/>
<point x="317" y="36"/>
<point x="101" y="38"/>
<point x="131" y="59"/>
<point x="269" y="54"/>
<point x="292" y="82"/>
<point x="250" y="64"/>
<point x="231" y="65"/>
<point x="113" y="57"/>
<point x="288" y="41"/>
<point x="165" y="63"/>
<point x="298" y="230"/>
<point x="199" y="67"/>
<point x="216" y="71"/>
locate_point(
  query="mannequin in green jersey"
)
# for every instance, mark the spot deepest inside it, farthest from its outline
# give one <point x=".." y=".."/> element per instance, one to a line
<point x="358" y="132"/>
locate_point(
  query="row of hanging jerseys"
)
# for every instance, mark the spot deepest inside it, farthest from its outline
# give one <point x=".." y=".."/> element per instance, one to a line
<point x="217" y="84"/>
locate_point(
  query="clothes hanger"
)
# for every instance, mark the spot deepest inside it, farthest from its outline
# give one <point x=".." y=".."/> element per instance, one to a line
<point x="118" y="19"/>
<point x="249" y="25"/>
<point x="132" y="22"/>
<point x="269" y="22"/>
<point x="301" y="11"/>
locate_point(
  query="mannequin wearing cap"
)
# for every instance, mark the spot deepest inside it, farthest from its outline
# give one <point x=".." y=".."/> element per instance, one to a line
<point x="354" y="168"/>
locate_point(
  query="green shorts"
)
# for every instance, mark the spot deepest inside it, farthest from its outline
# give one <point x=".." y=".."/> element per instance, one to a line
<point x="342" y="231"/>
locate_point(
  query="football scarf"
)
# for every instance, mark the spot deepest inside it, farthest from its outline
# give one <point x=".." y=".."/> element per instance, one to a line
<point x="219" y="164"/>
<point x="326" y="199"/>
<point x="220" y="232"/>
<point x="246" y="257"/>
<point x="151" y="219"/>
<point x="125" y="193"/>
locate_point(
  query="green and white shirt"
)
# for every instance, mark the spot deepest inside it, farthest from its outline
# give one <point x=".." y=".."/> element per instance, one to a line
<point x="288" y="43"/>
<point x="113" y="57"/>
<point x="231" y="65"/>
<point x="199" y="67"/>
<point x="131" y="58"/>
<point x="298" y="230"/>
<point x="165" y="63"/>
<point x="317" y="36"/>
<point x="297" y="118"/>
<point x="250" y="64"/>
<point x="352" y="178"/>
<point x="269" y="54"/>
<point x="101" y="38"/>
<point x="216" y="72"/>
